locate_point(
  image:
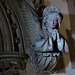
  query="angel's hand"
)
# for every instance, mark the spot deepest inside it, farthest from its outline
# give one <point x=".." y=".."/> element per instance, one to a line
<point x="60" y="42"/>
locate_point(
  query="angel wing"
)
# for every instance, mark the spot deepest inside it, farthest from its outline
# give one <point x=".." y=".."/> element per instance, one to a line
<point x="32" y="23"/>
<point x="33" y="29"/>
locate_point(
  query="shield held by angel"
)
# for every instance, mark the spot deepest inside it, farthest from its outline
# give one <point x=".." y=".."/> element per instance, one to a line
<point x="45" y="41"/>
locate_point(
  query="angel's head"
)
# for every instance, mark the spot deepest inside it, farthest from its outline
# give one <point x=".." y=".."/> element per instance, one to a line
<point x="51" y="17"/>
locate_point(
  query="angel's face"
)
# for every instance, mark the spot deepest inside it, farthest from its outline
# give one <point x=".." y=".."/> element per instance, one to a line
<point x="52" y="20"/>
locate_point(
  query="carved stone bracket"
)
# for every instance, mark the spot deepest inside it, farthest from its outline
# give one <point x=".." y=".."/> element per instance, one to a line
<point x="11" y="63"/>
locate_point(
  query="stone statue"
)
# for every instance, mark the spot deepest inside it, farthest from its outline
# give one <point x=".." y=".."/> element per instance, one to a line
<point x="50" y="43"/>
<point x="44" y="42"/>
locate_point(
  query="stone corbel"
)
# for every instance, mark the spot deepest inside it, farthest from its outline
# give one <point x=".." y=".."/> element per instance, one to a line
<point x="12" y="63"/>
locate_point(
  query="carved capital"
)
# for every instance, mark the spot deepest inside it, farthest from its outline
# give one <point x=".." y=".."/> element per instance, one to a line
<point x="11" y="63"/>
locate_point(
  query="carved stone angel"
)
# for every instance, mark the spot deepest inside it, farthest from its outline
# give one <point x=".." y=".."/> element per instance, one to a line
<point x="44" y="44"/>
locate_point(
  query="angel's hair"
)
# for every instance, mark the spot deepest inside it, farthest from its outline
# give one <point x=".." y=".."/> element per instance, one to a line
<point x="44" y="21"/>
